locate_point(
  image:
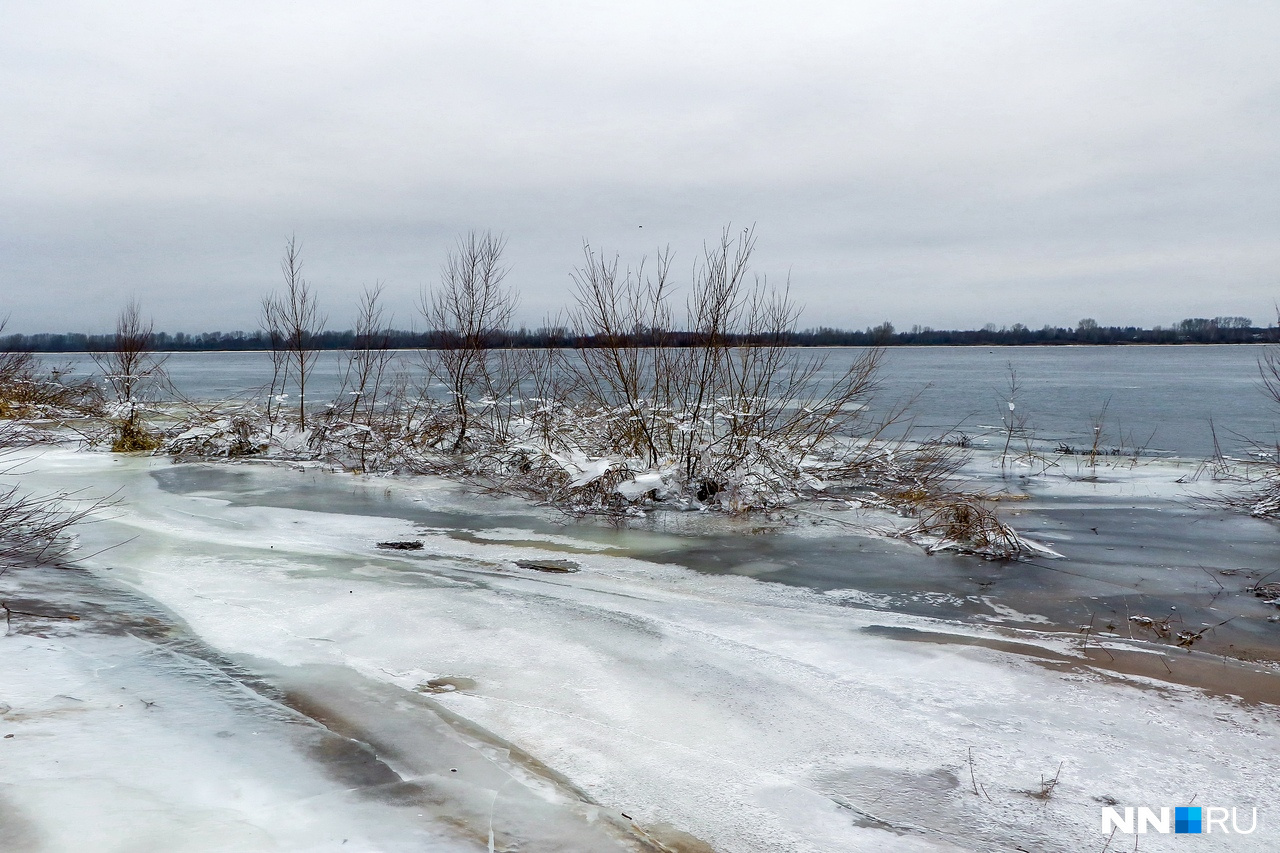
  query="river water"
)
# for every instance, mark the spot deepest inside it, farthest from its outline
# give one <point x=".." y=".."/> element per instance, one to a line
<point x="1159" y="398"/>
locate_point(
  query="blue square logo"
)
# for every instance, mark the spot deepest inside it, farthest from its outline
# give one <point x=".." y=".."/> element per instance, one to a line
<point x="1186" y="819"/>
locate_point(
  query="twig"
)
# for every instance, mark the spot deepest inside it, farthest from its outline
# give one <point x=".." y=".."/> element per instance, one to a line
<point x="973" y="779"/>
<point x="10" y="612"/>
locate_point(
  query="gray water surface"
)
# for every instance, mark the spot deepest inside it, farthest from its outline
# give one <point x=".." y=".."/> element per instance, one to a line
<point x="1161" y="398"/>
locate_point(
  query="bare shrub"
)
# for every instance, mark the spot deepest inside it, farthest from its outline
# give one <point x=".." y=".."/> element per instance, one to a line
<point x="1260" y="494"/>
<point x="134" y="374"/>
<point x="271" y="323"/>
<point x="33" y="528"/>
<point x="292" y="320"/>
<point x="1015" y="421"/>
<point x="908" y="477"/>
<point x="697" y="401"/>
<point x="717" y="401"/>
<point x="468" y="311"/>
<point x="705" y="406"/>
<point x="1269" y="369"/>
<point x="365" y="428"/>
<point x="365" y="378"/>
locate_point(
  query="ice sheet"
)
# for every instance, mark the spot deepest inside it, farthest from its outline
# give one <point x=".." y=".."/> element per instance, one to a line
<point x="111" y="743"/>
<point x="754" y="716"/>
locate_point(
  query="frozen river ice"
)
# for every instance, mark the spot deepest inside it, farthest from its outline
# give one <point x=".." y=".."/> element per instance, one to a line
<point x="249" y="671"/>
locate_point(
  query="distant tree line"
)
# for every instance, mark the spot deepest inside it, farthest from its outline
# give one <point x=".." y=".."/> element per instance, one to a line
<point x="1194" y="330"/>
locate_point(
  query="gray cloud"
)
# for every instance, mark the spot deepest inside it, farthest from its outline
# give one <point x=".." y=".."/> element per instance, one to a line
<point x="936" y="163"/>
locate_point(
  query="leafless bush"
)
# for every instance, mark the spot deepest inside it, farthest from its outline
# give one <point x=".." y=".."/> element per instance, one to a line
<point x="713" y="397"/>
<point x="1019" y="451"/>
<point x="468" y="311"/>
<point x="364" y="420"/>
<point x="908" y="477"/>
<point x="708" y="406"/>
<point x="380" y="422"/>
<point x="1269" y="369"/>
<point x="271" y="324"/>
<point x="365" y="377"/>
<point x="291" y="321"/>
<point x="1015" y="421"/>
<point x="33" y="528"/>
<point x="133" y="373"/>
<point x="1260" y="494"/>
<point x="1258" y="490"/>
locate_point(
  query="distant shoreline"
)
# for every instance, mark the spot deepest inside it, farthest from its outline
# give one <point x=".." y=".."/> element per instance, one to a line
<point x="883" y="336"/>
<point x="888" y="345"/>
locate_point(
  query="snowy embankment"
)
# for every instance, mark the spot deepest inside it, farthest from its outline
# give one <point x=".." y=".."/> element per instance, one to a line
<point x="753" y="716"/>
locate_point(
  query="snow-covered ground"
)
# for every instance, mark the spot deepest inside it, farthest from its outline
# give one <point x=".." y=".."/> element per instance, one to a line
<point x="113" y="744"/>
<point x="633" y="699"/>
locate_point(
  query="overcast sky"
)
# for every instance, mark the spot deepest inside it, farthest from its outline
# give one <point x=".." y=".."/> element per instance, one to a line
<point x="945" y="164"/>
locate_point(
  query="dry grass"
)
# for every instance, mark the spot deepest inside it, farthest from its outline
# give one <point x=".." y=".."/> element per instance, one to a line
<point x="133" y="436"/>
<point x="30" y="392"/>
<point x="968" y="525"/>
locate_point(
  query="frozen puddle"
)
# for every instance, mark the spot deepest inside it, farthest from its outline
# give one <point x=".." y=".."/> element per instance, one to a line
<point x="621" y="699"/>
